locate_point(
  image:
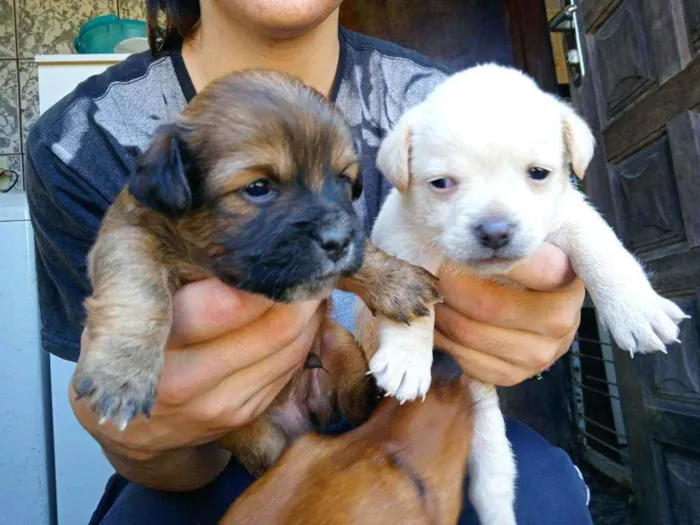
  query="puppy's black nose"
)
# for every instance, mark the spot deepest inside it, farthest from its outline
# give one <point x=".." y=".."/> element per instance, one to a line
<point x="494" y="234"/>
<point x="334" y="241"/>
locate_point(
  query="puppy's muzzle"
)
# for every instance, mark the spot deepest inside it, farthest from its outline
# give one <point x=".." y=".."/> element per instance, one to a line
<point x="494" y="234"/>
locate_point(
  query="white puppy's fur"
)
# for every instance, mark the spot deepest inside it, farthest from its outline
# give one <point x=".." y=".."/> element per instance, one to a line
<point x="479" y="134"/>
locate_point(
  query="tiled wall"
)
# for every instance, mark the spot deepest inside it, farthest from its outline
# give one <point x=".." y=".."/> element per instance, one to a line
<point x="29" y="28"/>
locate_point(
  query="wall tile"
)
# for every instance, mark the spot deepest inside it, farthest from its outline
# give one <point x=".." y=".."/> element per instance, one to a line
<point x="13" y="162"/>
<point x="8" y="44"/>
<point x="28" y="96"/>
<point x="132" y="9"/>
<point x="9" y="110"/>
<point x="50" y="26"/>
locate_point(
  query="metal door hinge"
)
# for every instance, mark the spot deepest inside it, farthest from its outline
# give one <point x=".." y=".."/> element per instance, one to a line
<point x="566" y="22"/>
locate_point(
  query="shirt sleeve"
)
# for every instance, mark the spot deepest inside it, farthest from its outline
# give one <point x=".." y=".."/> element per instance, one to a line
<point x="65" y="213"/>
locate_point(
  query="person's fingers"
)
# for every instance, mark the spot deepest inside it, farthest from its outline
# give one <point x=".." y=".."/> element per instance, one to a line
<point x="199" y="368"/>
<point x="548" y="269"/>
<point x="258" y="403"/>
<point x="565" y="343"/>
<point x="523" y="349"/>
<point x="224" y="408"/>
<point x="268" y="370"/>
<point x="546" y="313"/>
<point x="204" y="310"/>
<point x="480" y="366"/>
<point x="238" y="398"/>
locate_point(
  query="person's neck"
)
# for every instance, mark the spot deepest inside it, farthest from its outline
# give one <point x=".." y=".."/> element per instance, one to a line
<point x="219" y="47"/>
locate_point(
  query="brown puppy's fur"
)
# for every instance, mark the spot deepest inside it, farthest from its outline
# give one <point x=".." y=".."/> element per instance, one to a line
<point x="194" y="209"/>
<point x="405" y="465"/>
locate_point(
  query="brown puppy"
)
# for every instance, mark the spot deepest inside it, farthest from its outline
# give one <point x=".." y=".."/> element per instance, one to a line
<point x="405" y="465"/>
<point x="252" y="184"/>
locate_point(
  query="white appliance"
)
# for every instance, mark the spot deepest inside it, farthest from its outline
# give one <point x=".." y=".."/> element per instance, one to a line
<point x="81" y="470"/>
<point x="26" y="478"/>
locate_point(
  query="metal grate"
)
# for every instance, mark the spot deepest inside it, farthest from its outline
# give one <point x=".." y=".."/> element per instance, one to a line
<point x="600" y="428"/>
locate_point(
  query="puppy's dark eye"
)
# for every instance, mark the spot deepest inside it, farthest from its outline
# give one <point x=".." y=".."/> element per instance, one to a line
<point x="352" y="186"/>
<point x="259" y="191"/>
<point x="538" y="173"/>
<point x="443" y="183"/>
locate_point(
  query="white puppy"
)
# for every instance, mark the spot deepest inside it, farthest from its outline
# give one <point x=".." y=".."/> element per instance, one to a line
<point x="481" y="175"/>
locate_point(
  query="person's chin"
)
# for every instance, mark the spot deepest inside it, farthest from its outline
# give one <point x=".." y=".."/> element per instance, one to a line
<point x="292" y="27"/>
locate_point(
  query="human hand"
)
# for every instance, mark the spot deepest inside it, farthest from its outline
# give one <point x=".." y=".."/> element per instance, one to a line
<point x="504" y="335"/>
<point x="228" y="356"/>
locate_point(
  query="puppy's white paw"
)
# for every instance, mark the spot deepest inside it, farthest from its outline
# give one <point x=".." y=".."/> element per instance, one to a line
<point x="402" y="374"/>
<point x="644" y="326"/>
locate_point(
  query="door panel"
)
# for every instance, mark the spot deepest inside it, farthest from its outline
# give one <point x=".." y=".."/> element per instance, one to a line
<point x="675" y="383"/>
<point x="650" y="215"/>
<point x="641" y="94"/>
<point x="684" y="136"/>
<point x="624" y="63"/>
<point x="648" y="121"/>
<point x="684" y="487"/>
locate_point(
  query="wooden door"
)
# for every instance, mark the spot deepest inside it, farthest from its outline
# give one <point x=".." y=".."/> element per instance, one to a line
<point x="641" y="93"/>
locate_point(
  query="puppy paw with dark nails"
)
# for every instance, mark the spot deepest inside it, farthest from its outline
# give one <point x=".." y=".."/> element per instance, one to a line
<point x="113" y="393"/>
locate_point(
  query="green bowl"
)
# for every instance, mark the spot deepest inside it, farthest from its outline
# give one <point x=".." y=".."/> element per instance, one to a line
<point x="103" y="33"/>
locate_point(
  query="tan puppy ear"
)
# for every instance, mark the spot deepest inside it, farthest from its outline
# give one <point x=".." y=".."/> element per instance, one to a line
<point x="394" y="155"/>
<point x="579" y="141"/>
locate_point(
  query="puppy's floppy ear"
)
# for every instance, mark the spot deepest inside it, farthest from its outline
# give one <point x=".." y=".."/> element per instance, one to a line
<point x="579" y="140"/>
<point x="160" y="178"/>
<point x="394" y="155"/>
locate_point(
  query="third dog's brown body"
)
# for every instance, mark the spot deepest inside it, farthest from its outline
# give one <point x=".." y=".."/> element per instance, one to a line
<point x="406" y="465"/>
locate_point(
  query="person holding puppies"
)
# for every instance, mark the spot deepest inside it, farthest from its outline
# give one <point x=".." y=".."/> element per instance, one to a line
<point x="230" y="353"/>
